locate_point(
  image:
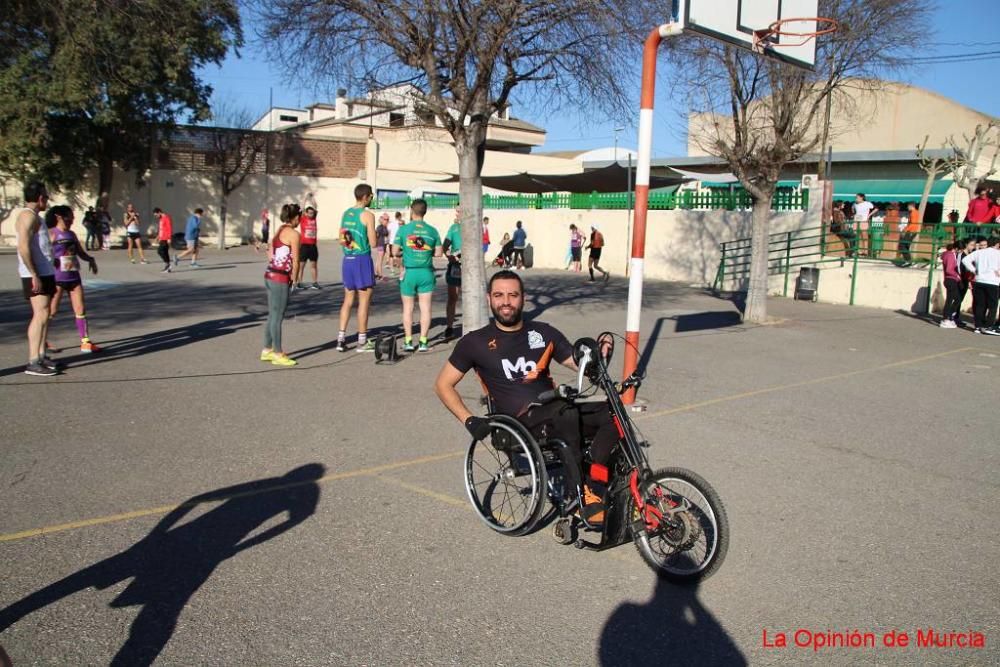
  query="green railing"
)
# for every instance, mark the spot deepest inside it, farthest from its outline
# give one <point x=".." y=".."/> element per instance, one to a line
<point x="881" y="243"/>
<point x="658" y="200"/>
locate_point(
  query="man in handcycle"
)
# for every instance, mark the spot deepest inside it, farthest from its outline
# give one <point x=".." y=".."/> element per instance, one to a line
<point x="511" y="358"/>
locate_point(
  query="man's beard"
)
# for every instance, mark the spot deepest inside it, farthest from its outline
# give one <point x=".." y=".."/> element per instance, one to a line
<point x="511" y="320"/>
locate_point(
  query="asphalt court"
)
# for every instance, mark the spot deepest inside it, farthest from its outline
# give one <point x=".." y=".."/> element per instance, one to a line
<point x="852" y="447"/>
<point x="375" y="472"/>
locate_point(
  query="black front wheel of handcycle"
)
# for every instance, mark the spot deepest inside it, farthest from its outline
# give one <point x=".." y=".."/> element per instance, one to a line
<point x="693" y="536"/>
<point x="505" y="477"/>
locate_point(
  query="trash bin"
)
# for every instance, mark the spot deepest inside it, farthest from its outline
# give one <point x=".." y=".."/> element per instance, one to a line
<point x="807" y="284"/>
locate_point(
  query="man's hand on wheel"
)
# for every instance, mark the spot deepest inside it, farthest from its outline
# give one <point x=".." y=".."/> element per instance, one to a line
<point x="478" y="427"/>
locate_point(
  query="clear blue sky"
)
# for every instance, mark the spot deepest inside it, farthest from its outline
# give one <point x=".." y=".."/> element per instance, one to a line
<point x="959" y="26"/>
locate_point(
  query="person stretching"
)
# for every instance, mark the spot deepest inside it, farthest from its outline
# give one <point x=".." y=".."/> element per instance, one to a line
<point x="66" y="253"/>
<point x="420" y="243"/>
<point x="283" y="261"/>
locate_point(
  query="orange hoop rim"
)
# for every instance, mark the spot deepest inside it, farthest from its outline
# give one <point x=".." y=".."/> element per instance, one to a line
<point x="760" y="37"/>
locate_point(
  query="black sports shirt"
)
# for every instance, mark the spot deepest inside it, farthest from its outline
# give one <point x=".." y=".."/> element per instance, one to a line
<point x="513" y="366"/>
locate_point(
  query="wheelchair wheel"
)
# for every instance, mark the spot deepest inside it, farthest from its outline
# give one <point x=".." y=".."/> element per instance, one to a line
<point x="505" y="477"/>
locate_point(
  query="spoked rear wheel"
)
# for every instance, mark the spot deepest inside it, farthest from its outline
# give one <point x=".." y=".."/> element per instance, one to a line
<point x="505" y="478"/>
<point x="693" y="536"/>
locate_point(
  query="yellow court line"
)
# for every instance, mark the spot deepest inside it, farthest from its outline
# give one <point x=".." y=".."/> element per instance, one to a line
<point x="442" y="497"/>
<point x="794" y="385"/>
<point x="374" y="471"/>
<point x="163" y="509"/>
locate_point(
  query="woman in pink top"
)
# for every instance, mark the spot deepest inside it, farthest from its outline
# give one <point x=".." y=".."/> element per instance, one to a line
<point x="952" y="284"/>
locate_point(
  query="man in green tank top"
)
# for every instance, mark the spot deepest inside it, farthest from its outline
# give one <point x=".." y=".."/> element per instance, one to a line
<point x="420" y="243"/>
<point x="453" y="274"/>
<point x="357" y="236"/>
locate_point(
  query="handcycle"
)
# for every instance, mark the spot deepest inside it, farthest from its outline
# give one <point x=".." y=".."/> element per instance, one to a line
<point x="672" y="515"/>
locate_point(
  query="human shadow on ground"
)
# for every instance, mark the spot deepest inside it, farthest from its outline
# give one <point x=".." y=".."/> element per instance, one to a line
<point x="157" y="341"/>
<point x="134" y="306"/>
<point x="170" y="564"/>
<point x="672" y="628"/>
<point x="930" y="318"/>
<point x="549" y="290"/>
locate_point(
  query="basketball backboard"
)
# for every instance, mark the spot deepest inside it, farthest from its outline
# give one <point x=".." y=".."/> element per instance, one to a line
<point x="736" y="21"/>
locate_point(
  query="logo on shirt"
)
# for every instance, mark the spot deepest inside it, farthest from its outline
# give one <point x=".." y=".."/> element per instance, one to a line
<point x="520" y="369"/>
<point x="492" y="344"/>
<point x="417" y="242"/>
<point x="347" y="240"/>
<point x="535" y="340"/>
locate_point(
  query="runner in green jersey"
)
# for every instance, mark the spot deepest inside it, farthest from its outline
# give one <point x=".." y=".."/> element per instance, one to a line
<point x="420" y="244"/>
<point x="453" y="274"/>
<point x="357" y="234"/>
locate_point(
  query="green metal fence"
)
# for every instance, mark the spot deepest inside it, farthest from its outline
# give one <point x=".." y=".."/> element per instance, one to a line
<point x="881" y="243"/>
<point x="658" y="200"/>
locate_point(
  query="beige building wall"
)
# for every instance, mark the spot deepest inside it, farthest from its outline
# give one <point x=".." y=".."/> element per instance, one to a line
<point x="895" y="118"/>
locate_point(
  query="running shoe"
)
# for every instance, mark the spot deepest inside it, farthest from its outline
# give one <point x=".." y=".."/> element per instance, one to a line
<point x="166" y="269"/>
<point x="991" y="332"/>
<point x="267" y="355"/>
<point x="177" y="261"/>
<point x="341" y="346"/>
<point x="49" y="347"/>
<point x="40" y="370"/>
<point x="408" y="346"/>
<point x="142" y="261"/>
<point x="423" y="347"/>
<point x="132" y="261"/>
<point x="449" y="332"/>
<point x="283" y="360"/>
<point x="369" y="346"/>
<point x="50" y="364"/>
<point x="88" y="347"/>
<point x="607" y="276"/>
<point x="300" y="286"/>
<point x="315" y="286"/>
<point x="195" y="265"/>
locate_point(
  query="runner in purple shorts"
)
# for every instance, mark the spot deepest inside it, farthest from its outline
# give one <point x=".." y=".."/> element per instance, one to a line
<point x="67" y="253"/>
<point x="357" y="236"/>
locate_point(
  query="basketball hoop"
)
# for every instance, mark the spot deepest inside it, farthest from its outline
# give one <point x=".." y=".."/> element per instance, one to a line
<point x="781" y="34"/>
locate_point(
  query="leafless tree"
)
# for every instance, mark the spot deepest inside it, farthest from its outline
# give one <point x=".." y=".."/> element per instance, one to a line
<point x="934" y="166"/>
<point x="761" y="113"/>
<point x="466" y="58"/>
<point x="236" y="151"/>
<point x="967" y="169"/>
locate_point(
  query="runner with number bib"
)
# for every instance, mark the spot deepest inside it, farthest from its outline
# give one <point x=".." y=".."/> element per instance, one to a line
<point x="308" y="251"/>
<point x="67" y="252"/>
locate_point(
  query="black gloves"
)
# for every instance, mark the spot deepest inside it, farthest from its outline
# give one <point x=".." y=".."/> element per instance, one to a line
<point x="478" y="427"/>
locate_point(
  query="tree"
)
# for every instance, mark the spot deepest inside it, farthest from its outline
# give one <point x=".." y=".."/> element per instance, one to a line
<point x="763" y="114"/>
<point x="966" y="168"/>
<point x="934" y="166"/>
<point x="466" y="58"/>
<point x="236" y="151"/>
<point x="91" y="84"/>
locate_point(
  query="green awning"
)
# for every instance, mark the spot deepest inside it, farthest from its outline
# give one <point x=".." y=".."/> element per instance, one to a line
<point x="894" y="190"/>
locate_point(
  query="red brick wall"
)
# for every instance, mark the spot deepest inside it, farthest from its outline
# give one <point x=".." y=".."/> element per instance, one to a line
<point x="288" y="155"/>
